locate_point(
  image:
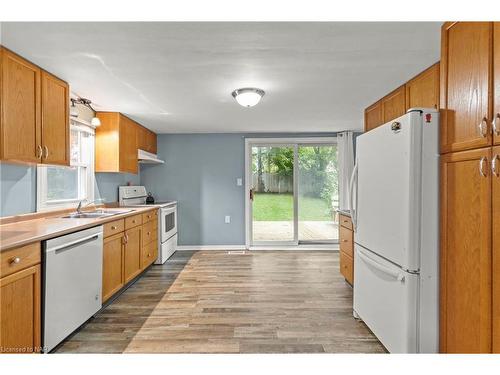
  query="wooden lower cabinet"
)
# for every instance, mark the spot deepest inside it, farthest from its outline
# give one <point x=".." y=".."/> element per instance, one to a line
<point x="112" y="266"/>
<point x="132" y="253"/>
<point x="20" y="311"/>
<point x="126" y="252"/>
<point x="466" y="258"/>
<point x="346" y="241"/>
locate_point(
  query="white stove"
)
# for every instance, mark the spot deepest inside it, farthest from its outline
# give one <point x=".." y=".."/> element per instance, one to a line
<point x="135" y="196"/>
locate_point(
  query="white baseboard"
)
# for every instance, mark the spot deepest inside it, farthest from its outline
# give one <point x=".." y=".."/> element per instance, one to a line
<point x="210" y="247"/>
<point x="331" y="247"/>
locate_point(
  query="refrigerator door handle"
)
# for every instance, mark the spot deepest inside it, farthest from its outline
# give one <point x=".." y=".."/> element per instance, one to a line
<point x="397" y="275"/>
<point x="351" y="197"/>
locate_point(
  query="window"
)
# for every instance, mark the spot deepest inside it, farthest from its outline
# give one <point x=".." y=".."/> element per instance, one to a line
<point x="63" y="187"/>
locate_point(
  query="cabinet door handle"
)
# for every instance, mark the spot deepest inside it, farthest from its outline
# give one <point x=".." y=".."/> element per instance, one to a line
<point x="113" y="227"/>
<point x="483" y="160"/>
<point x="46" y="152"/>
<point x="494" y="165"/>
<point x="39" y="154"/>
<point x="483" y="127"/>
<point x="494" y="124"/>
<point x="15" y="260"/>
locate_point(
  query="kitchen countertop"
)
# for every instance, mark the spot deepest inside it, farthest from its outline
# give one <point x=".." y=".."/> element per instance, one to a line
<point x="345" y="212"/>
<point x="28" y="231"/>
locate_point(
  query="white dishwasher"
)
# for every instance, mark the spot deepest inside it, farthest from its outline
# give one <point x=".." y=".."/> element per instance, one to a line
<point x="72" y="283"/>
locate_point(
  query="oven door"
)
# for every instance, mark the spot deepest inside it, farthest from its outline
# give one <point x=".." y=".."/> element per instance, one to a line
<point x="168" y="222"/>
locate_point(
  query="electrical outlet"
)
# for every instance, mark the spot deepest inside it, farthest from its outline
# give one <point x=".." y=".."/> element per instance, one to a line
<point x="239" y="181"/>
<point x="227" y="219"/>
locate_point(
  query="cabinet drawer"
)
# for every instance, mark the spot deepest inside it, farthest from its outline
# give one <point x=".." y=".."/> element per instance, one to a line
<point x="17" y="259"/>
<point x="114" y="227"/>
<point x="148" y="216"/>
<point x="345" y="221"/>
<point x="347" y="267"/>
<point x="149" y="253"/>
<point x="149" y="232"/>
<point x="346" y="241"/>
<point x="133" y="221"/>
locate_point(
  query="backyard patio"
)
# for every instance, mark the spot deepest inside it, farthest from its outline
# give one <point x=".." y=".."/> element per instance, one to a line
<point x="273" y="218"/>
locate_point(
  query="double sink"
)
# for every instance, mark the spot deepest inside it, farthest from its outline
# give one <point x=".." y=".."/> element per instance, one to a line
<point x="95" y="214"/>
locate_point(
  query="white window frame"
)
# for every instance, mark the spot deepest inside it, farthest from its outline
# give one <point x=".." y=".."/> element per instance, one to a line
<point x="87" y="185"/>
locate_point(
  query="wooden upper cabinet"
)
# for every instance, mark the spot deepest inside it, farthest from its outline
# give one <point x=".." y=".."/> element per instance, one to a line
<point x="20" y="136"/>
<point x="496" y="247"/>
<point x="465" y="77"/>
<point x="55" y="120"/>
<point x="146" y="139"/>
<point x="373" y="116"/>
<point x="466" y="266"/>
<point x="116" y="143"/>
<point x="496" y="83"/>
<point x="423" y="90"/>
<point x="128" y="145"/>
<point x="394" y="104"/>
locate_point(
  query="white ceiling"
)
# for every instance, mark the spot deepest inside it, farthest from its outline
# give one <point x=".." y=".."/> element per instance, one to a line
<point x="178" y="77"/>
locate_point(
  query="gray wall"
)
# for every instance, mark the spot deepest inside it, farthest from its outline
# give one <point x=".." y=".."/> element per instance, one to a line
<point x="200" y="172"/>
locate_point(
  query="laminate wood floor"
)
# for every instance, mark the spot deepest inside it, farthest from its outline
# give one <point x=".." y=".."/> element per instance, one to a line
<point x="215" y="302"/>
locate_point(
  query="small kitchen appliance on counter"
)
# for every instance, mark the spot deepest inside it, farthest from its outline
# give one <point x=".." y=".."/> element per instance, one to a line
<point x="136" y="196"/>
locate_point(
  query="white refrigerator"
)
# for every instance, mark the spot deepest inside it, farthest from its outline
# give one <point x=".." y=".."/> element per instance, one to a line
<point x="394" y="200"/>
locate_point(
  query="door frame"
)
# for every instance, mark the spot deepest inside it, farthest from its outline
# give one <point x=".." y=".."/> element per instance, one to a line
<point x="294" y="142"/>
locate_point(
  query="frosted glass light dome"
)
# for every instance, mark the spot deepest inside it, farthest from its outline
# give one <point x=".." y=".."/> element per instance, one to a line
<point x="248" y="97"/>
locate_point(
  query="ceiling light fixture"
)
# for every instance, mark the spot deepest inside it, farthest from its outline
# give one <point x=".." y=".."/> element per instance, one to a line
<point x="248" y="96"/>
<point x="87" y="103"/>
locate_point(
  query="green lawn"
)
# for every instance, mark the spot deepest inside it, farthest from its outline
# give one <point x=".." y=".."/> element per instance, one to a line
<point x="278" y="207"/>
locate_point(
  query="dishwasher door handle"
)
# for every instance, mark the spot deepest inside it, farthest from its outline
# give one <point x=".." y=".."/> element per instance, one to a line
<point x="67" y="245"/>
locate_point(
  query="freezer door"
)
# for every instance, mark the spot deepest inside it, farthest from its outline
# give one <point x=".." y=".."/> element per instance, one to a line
<point x="386" y="299"/>
<point x="388" y="190"/>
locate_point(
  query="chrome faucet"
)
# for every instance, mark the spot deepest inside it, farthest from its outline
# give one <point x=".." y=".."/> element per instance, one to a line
<point x="79" y="207"/>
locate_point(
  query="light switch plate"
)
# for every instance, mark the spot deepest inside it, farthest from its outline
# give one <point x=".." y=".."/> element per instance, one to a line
<point x="227" y="219"/>
<point x="239" y="181"/>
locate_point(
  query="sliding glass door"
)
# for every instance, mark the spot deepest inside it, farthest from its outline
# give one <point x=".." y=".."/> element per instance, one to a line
<point x="272" y="194"/>
<point x="293" y="191"/>
<point x="317" y="193"/>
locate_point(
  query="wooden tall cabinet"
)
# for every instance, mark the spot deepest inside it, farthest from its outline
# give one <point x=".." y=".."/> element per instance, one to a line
<point x="466" y="252"/>
<point x="34" y="119"/>
<point x="20" y="137"/>
<point x="466" y="52"/>
<point x="470" y="193"/>
<point x="496" y="84"/>
<point x="495" y="204"/>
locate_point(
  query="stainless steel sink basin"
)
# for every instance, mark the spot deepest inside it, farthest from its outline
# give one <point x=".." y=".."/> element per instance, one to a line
<point x="95" y="214"/>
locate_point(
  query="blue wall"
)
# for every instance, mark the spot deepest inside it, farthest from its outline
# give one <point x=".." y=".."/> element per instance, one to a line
<point x="200" y="172"/>
<point x="18" y="188"/>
